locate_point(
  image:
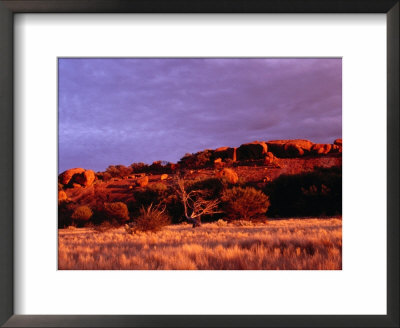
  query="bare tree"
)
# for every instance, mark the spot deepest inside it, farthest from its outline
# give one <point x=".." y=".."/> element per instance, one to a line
<point x="195" y="204"/>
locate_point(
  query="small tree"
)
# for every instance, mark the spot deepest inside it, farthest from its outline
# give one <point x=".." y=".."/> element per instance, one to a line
<point x="82" y="213"/>
<point x="245" y="203"/>
<point x="195" y="204"/>
<point x="117" y="211"/>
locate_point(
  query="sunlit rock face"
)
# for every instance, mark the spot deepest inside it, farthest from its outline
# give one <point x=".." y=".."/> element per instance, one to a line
<point x="321" y="148"/>
<point x="66" y="176"/>
<point x="77" y="176"/>
<point x="252" y="151"/>
<point x="289" y="148"/>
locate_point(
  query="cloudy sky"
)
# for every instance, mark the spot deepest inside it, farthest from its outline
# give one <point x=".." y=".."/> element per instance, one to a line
<point x="120" y="111"/>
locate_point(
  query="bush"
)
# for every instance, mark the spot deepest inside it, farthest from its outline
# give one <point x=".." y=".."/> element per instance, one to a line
<point x="64" y="215"/>
<point x="104" y="176"/>
<point x="198" y="160"/>
<point x="212" y="186"/>
<point x="150" y="219"/>
<point x="245" y="203"/>
<point x="139" y="168"/>
<point x="117" y="211"/>
<point x="118" y="171"/>
<point x="82" y="213"/>
<point x="316" y="193"/>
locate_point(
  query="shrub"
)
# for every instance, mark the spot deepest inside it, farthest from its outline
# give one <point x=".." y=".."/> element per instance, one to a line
<point x="117" y="211"/>
<point x="118" y="171"/>
<point x="316" y="193"/>
<point x="213" y="186"/>
<point x="82" y="213"/>
<point x="150" y="219"/>
<point x="104" y="176"/>
<point x="244" y="203"/>
<point x="154" y="194"/>
<point x="221" y="223"/>
<point x="197" y="160"/>
<point x="64" y="215"/>
<point x="139" y="168"/>
<point x="228" y="175"/>
<point x="106" y="226"/>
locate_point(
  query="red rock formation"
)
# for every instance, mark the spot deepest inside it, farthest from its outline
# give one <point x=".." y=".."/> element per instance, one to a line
<point x="270" y="158"/>
<point x="289" y="148"/>
<point x="62" y="196"/>
<point x="252" y="151"/>
<point x="67" y="175"/>
<point x="224" y="153"/>
<point x="338" y="142"/>
<point x="321" y="148"/>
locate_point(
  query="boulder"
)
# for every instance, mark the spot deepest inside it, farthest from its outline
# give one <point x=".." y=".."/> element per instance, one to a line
<point x="338" y="142"/>
<point x="62" y="196"/>
<point x="85" y="179"/>
<point x="321" y="148"/>
<point x="289" y="148"/>
<point x="293" y="150"/>
<point x="224" y="153"/>
<point x="67" y="175"/>
<point x="143" y="181"/>
<point x="228" y="174"/>
<point x="336" y="149"/>
<point x="164" y="176"/>
<point x="252" y="151"/>
<point x="269" y="158"/>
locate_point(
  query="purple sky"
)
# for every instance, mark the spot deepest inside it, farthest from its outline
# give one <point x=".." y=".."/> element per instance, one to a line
<point x="120" y="111"/>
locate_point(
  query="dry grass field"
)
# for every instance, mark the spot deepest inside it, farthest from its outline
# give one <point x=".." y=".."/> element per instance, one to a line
<point x="287" y="244"/>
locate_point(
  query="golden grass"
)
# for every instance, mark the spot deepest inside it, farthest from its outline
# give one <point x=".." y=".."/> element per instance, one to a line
<point x="290" y="244"/>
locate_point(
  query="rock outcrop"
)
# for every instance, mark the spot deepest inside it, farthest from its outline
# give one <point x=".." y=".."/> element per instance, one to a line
<point x="62" y="196"/>
<point x="224" y="153"/>
<point x="67" y="175"/>
<point x="270" y="158"/>
<point x="289" y="148"/>
<point x="77" y="176"/>
<point x="321" y="148"/>
<point x="85" y="179"/>
<point x="338" y="142"/>
<point x="252" y="151"/>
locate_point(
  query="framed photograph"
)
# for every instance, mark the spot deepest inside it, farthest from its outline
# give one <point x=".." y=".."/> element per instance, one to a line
<point x="183" y="163"/>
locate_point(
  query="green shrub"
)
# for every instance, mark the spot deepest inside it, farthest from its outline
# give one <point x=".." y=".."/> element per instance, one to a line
<point x="117" y="211"/>
<point x="150" y="219"/>
<point x="82" y="213"/>
<point x="244" y="203"/>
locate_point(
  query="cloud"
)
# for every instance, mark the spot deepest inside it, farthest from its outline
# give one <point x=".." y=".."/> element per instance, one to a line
<point x="119" y="111"/>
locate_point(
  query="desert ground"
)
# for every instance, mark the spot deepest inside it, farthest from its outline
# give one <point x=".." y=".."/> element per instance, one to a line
<point x="278" y="244"/>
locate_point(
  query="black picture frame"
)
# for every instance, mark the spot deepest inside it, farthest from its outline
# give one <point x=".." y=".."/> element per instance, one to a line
<point x="10" y="7"/>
